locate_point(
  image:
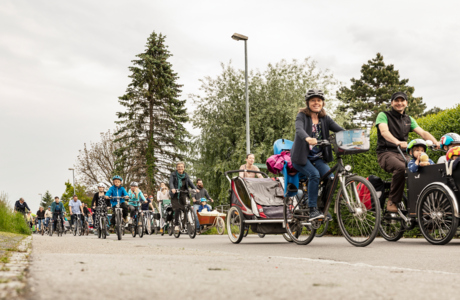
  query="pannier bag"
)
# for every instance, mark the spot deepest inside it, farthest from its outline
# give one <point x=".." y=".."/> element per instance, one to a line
<point x="364" y="193"/>
<point x="351" y="141"/>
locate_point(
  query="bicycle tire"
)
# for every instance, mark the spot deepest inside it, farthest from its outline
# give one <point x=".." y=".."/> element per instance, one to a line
<point x="133" y="227"/>
<point x="386" y="229"/>
<point x="287" y="238"/>
<point x="191" y="224"/>
<point x="220" y="226"/>
<point x="370" y="213"/>
<point x="140" y="228"/>
<point x="119" y="225"/>
<point x="320" y="233"/>
<point x="103" y="228"/>
<point x="177" y="234"/>
<point x="295" y="216"/>
<point x="148" y="225"/>
<point x="75" y="229"/>
<point x="261" y="235"/>
<point x="235" y="225"/>
<point x="171" y="228"/>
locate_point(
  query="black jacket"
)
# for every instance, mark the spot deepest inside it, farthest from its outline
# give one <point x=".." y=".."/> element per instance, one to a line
<point x="202" y="194"/>
<point x="399" y="126"/>
<point x="174" y="183"/>
<point x="303" y="129"/>
<point x="95" y="201"/>
<point x="21" y="207"/>
<point x="41" y="214"/>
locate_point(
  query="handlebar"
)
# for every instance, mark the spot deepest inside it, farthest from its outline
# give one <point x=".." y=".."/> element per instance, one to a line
<point x="322" y="143"/>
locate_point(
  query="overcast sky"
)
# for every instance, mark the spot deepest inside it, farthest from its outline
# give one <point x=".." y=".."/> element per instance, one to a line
<point x="64" y="63"/>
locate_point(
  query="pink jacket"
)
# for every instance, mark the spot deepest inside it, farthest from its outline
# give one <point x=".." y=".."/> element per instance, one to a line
<point x="275" y="163"/>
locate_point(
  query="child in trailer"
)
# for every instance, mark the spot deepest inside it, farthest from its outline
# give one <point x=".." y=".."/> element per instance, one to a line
<point x="447" y="142"/>
<point x="204" y="206"/>
<point x="416" y="149"/>
<point x="453" y="157"/>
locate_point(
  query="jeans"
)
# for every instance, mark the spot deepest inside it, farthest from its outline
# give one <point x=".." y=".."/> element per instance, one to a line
<point x="47" y="221"/>
<point x="40" y="223"/>
<point x="313" y="170"/>
<point x="195" y="209"/>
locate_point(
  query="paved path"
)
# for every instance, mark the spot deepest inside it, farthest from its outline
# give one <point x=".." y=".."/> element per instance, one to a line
<point x="210" y="267"/>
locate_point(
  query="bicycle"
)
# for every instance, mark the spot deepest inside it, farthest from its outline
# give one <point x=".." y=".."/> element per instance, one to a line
<point x="119" y="223"/>
<point x="137" y="226"/>
<point x="358" y="221"/>
<point x="59" y="229"/>
<point x="187" y="221"/>
<point x="77" y="226"/>
<point x="147" y="221"/>
<point x="85" y="230"/>
<point x="102" y="227"/>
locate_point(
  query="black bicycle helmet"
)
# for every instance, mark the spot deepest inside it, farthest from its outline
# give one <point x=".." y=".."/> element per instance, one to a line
<point x="314" y="93"/>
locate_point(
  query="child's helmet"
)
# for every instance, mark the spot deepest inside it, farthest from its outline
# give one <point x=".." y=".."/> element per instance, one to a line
<point x="100" y="184"/>
<point x="134" y="183"/>
<point x="117" y="177"/>
<point x="448" y="139"/>
<point x="455" y="151"/>
<point x="413" y="143"/>
<point x="203" y="200"/>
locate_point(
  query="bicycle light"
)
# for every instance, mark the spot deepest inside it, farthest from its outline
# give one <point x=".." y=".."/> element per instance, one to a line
<point x="348" y="168"/>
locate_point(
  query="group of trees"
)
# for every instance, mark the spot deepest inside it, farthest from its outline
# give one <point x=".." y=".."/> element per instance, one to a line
<point x="151" y="135"/>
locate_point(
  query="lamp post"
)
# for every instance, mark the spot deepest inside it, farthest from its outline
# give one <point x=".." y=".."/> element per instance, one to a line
<point x="40" y="199"/>
<point x="73" y="180"/>
<point x="240" y="37"/>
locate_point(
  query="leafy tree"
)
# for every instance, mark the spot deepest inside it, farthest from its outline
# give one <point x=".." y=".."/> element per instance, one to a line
<point x="371" y="94"/>
<point x="152" y="126"/>
<point x="47" y="199"/>
<point x="432" y="111"/>
<point x="275" y="96"/>
<point x="80" y="191"/>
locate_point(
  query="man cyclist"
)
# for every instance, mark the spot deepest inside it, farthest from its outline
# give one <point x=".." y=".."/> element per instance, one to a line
<point x="203" y="193"/>
<point x="76" y="211"/>
<point x="57" y="209"/>
<point x="393" y="129"/>
<point x="20" y="206"/>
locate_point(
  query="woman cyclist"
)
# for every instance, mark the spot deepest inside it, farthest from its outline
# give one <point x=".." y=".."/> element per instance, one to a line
<point x="179" y="182"/>
<point x="40" y="217"/>
<point x="102" y="204"/>
<point x="312" y="124"/>
<point x="135" y="196"/>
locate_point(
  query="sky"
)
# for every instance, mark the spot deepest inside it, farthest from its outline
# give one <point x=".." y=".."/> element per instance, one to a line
<point x="63" y="64"/>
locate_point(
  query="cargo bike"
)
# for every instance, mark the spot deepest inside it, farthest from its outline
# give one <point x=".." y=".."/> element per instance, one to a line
<point x="269" y="209"/>
<point x="212" y="219"/>
<point x="431" y="203"/>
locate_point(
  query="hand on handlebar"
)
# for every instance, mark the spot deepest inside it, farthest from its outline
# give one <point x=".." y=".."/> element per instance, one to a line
<point x="106" y="197"/>
<point x="173" y="191"/>
<point x="403" y="145"/>
<point x="311" y="141"/>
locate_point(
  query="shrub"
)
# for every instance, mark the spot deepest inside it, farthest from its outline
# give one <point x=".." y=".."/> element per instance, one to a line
<point x="11" y="221"/>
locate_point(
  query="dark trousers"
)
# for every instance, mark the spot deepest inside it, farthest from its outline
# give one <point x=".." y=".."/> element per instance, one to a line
<point x="55" y="216"/>
<point x="178" y="203"/>
<point x="393" y="163"/>
<point x="124" y="208"/>
<point x="74" y="217"/>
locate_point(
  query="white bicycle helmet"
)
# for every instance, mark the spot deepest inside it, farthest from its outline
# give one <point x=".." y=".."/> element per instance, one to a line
<point x="100" y="184"/>
<point x="134" y="183"/>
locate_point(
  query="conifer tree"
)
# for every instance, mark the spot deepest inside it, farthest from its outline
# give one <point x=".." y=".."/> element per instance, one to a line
<point x="371" y="94"/>
<point x="47" y="199"/>
<point x="152" y="126"/>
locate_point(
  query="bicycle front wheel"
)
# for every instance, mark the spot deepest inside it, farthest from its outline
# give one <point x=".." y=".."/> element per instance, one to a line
<point x="298" y="228"/>
<point x="191" y="222"/>
<point x="140" y="226"/>
<point x="360" y="220"/>
<point x="119" y="225"/>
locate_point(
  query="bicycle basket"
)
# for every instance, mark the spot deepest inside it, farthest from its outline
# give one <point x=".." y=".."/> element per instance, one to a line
<point x="350" y="142"/>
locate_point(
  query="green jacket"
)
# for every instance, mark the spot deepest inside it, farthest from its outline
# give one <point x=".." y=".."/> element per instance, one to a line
<point x="61" y="206"/>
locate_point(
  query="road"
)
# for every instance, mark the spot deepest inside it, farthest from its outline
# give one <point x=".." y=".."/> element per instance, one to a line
<point x="210" y="267"/>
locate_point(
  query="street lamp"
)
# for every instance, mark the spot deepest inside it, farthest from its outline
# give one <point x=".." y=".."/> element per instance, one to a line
<point x="73" y="175"/>
<point x="240" y="37"/>
<point x="40" y="199"/>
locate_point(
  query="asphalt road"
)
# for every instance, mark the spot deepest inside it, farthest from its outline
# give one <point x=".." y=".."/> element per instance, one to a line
<point x="210" y="267"/>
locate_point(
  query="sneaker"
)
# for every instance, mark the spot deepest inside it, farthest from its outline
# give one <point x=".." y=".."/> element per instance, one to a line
<point x="391" y="207"/>
<point x="176" y="229"/>
<point x="315" y="214"/>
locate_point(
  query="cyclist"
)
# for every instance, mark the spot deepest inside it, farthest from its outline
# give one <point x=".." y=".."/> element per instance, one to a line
<point x="203" y="193"/>
<point x="179" y="182"/>
<point x="447" y="142"/>
<point x="48" y="216"/>
<point x="116" y="190"/>
<point x="313" y="124"/>
<point x="135" y="196"/>
<point x="76" y="211"/>
<point x="204" y="206"/>
<point x="57" y="209"/>
<point x="393" y="129"/>
<point x="99" y="201"/>
<point x="20" y="206"/>
<point x="40" y="217"/>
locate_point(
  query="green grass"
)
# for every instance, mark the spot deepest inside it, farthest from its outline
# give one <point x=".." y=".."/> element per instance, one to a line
<point x="11" y="221"/>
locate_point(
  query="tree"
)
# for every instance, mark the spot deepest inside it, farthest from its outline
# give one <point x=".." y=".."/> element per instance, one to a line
<point x="47" y="199"/>
<point x="371" y="94"/>
<point x="432" y="111"/>
<point x="152" y="127"/>
<point x="275" y="96"/>
<point x="96" y="163"/>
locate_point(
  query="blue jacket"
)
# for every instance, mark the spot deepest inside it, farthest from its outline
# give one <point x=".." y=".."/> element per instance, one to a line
<point x="413" y="167"/>
<point x="116" y="192"/>
<point x="205" y="208"/>
<point x="135" y="201"/>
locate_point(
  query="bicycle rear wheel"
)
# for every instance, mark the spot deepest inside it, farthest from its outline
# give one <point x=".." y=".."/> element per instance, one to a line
<point x="140" y="226"/>
<point x="191" y="223"/>
<point x="298" y="227"/>
<point x="220" y="225"/>
<point x="359" y="227"/>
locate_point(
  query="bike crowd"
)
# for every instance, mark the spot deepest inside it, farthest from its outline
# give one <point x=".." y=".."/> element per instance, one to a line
<point x="172" y="211"/>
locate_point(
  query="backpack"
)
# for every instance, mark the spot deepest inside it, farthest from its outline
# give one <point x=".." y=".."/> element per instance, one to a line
<point x="364" y="193"/>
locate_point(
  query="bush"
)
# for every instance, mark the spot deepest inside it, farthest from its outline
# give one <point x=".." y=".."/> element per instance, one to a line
<point x="11" y="221"/>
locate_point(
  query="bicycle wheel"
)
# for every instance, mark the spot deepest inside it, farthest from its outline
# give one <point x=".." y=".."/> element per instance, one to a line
<point x="321" y="231"/>
<point x="75" y="228"/>
<point x="361" y="226"/>
<point x="119" y="225"/>
<point x="298" y="228"/>
<point x="140" y="226"/>
<point x="171" y="228"/>
<point x="235" y="224"/>
<point x="191" y="223"/>
<point x="287" y="238"/>
<point x="51" y="231"/>
<point x="435" y="213"/>
<point x="246" y="231"/>
<point x="391" y="225"/>
<point x="148" y="224"/>
<point x="220" y="225"/>
<point x="177" y="233"/>
<point x="133" y="227"/>
<point x="103" y="228"/>
<point x="80" y="228"/>
<point x="261" y="235"/>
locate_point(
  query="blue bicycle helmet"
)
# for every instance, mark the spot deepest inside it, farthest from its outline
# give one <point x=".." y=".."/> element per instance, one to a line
<point x="203" y="200"/>
<point x="448" y="139"/>
<point x="117" y="177"/>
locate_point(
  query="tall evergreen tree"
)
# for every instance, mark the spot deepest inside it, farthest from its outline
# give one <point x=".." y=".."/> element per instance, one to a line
<point x="371" y="94"/>
<point x="152" y="127"/>
<point x="47" y="199"/>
